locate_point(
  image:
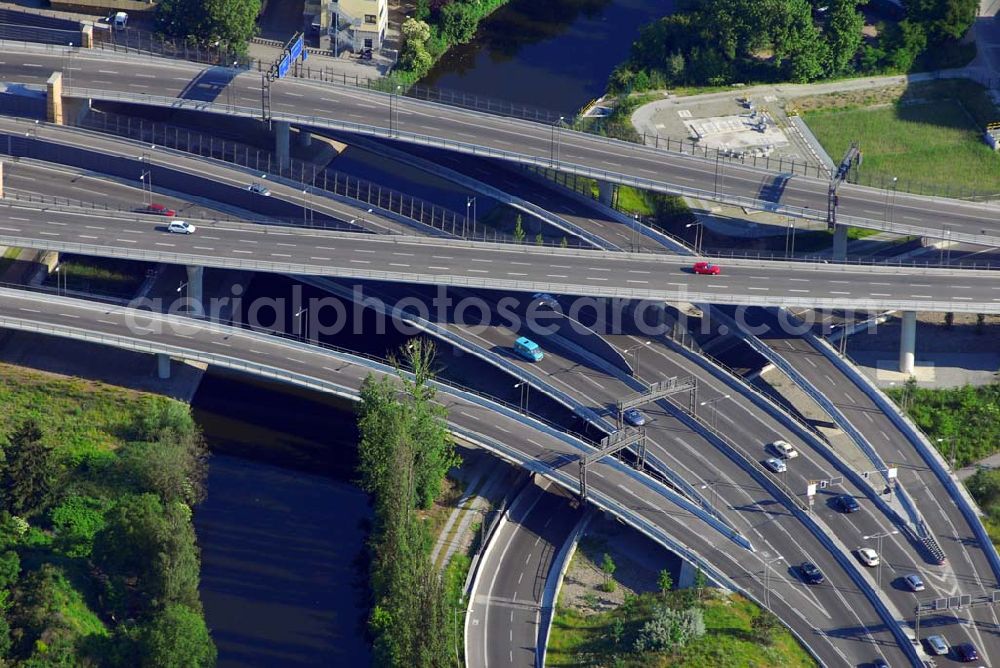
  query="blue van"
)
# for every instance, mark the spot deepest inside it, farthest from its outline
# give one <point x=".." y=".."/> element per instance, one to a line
<point x="528" y="349"/>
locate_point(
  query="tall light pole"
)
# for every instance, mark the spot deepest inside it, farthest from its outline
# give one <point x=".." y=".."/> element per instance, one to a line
<point x="634" y="351"/>
<point x="300" y="321"/>
<point x="890" y="200"/>
<point x="950" y="439"/>
<point x="554" y="148"/>
<point x="62" y="277"/>
<point x="767" y="580"/>
<point x="635" y="231"/>
<point x="711" y="486"/>
<point x="470" y="206"/>
<point x="187" y="294"/>
<point x="305" y="207"/>
<point x="790" y="238"/>
<point x="715" y="409"/>
<point x="525" y="394"/>
<point x="878" y="543"/>
<point x="717" y="163"/>
<point x="394" y="95"/>
<point x="698" y="234"/>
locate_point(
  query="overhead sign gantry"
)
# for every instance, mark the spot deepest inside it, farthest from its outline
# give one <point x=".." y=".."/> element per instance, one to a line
<point x="293" y="50"/>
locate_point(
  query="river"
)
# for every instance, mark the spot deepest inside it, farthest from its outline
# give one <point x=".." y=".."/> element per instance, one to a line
<point x="554" y="55"/>
<point x="283" y="578"/>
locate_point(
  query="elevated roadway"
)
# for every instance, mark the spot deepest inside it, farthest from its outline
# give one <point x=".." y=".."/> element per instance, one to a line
<point x="500" y="266"/>
<point x="853" y="632"/>
<point x="306" y="103"/>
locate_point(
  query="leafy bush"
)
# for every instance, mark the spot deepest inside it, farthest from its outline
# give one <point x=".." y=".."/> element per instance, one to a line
<point x="76" y="521"/>
<point x="670" y="629"/>
<point x="176" y="637"/>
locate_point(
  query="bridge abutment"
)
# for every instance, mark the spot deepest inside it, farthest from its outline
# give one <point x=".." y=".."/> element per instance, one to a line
<point x="606" y="193"/>
<point x="840" y="243"/>
<point x="195" y="294"/>
<point x="54" y="101"/>
<point x="282" y="133"/>
<point x="907" y="342"/>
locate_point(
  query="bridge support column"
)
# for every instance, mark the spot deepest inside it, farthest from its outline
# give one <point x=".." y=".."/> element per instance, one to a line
<point x="194" y="289"/>
<point x="87" y="36"/>
<point x="1" y="180"/>
<point x="305" y="138"/>
<point x="606" y="193"/>
<point x="839" y="243"/>
<point x="907" y="342"/>
<point x="685" y="579"/>
<point x="54" y="101"/>
<point x="282" y="130"/>
<point x="162" y="366"/>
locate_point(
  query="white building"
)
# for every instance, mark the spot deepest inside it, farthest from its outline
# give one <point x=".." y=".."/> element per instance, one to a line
<point x="360" y="24"/>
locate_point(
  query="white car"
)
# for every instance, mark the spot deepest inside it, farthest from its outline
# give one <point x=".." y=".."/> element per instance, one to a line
<point x="784" y="450"/>
<point x="259" y="189"/>
<point x="938" y="645"/>
<point x="775" y="464"/>
<point x="180" y="227"/>
<point x="868" y="557"/>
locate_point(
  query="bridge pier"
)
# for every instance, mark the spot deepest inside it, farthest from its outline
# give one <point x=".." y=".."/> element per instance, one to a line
<point x="87" y="36"/>
<point x="54" y="100"/>
<point x="907" y="342"/>
<point x="282" y="131"/>
<point x="305" y="137"/>
<point x="839" y="243"/>
<point x="162" y="366"/>
<point x="195" y="289"/>
<point x="606" y="193"/>
<point x="685" y="578"/>
<point x="1" y="179"/>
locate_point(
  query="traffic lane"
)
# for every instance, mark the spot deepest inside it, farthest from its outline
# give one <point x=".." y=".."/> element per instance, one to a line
<point x="857" y="637"/>
<point x="214" y="173"/>
<point x="596" y="273"/>
<point x="518" y="582"/>
<point x="507" y="134"/>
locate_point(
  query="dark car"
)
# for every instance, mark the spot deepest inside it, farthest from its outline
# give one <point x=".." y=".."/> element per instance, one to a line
<point x="634" y="417"/>
<point x="810" y="573"/>
<point x="880" y="663"/>
<point x="847" y="504"/>
<point x="966" y="652"/>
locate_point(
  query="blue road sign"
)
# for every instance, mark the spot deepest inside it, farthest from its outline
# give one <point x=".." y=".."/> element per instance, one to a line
<point x="295" y="50"/>
<point x="283" y="66"/>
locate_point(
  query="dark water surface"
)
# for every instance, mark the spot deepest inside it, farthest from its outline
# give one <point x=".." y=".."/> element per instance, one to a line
<point x="283" y="528"/>
<point x="549" y="54"/>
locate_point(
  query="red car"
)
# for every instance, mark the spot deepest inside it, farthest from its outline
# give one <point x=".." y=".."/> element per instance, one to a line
<point x="160" y="210"/>
<point x="706" y="268"/>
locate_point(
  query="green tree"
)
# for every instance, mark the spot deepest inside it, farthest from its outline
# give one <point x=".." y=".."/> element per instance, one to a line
<point x="665" y="581"/>
<point x="174" y="465"/>
<point x="843" y="35"/>
<point x="76" y="521"/>
<point x="608" y="567"/>
<point x="518" y="230"/>
<point x="564" y="243"/>
<point x="176" y="637"/>
<point x="27" y="471"/>
<point x="942" y="19"/>
<point x="414" y="55"/>
<point x="539" y="239"/>
<point x="229" y="22"/>
<point x="458" y="22"/>
<point x="763" y="626"/>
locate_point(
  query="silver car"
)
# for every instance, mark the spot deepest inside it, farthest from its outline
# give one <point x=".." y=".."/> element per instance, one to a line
<point x="914" y="582"/>
<point x="937" y="645"/>
<point x="775" y="464"/>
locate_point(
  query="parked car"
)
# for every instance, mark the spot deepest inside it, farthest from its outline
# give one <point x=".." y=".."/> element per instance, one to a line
<point x="259" y="189"/>
<point x="180" y="227"/>
<point x="706" y="268"/>
<point x="775" y="464"/>
<point x="159" y="210"/>
<point x="847" y="503"/>
<point x="784" y="450"/>
<point x="937" y="645"/>
<point x="868" y="557"/>
<point x="966" y="652"/>
<point x="914" y="582"/>
<point x="810" y="573"/>
<point x="634" y="417"/>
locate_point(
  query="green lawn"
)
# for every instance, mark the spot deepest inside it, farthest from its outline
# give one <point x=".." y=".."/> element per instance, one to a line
<point x="585" y="640"/>
<point x="101" y="275"/>
<point x="930" y="145"/>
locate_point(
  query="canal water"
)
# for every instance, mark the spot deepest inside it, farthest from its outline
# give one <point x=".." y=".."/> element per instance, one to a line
<point x="283" y="579"/>
<point x="554" y="55"/>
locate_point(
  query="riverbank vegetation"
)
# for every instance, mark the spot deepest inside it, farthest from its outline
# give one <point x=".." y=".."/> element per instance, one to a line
<point x="98" y="559"/>
<point x="720" y="42"/>
<point x="435" y="26"/>
<point x="404" y="453"/>
<point x="984" y="485"/>
<point x="684" y="628"/>
<point x="966" y="419"/>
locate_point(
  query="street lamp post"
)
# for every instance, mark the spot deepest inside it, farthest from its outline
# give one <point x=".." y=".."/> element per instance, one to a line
<point x="711" y="486"/>
<point x="698" y="234"/>
<point x="950" y="439"/>
<point x="790" y="238"/>
<point x="890" y="200"/>
<point x="767" y="580"/>
<point x="525" y="394"/>
<point x="554" y="148"/>
<point x="305" y="207"/>
<point x="470" y="205"/>
<point x="300" y="321"/>
<point x="715" y="409"/>
<point x="878" y="546"/>
<point x="634" y="351"/>
<point x="635" y="231"/>
<point x="61" y="278"/>
<point x="718" y="157"/>
<point x="187" y="293"/>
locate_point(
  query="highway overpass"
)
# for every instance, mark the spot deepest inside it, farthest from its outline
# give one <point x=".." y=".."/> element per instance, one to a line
<point x="177" y="84"/>
<point x="526" y="268"/>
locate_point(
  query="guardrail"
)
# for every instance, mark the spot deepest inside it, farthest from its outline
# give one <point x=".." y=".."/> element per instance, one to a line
<point x="604" y="175"/>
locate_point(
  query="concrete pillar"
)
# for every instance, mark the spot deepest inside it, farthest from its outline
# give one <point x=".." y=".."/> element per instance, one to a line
<point x="606" y="193"/>
<point x="54" y="103"/>
<point x="840" y="243"/>
<point x="162" y="366"/>
<point x="685" y="579"/>
<point x="305" y="138"/>
<point x="87" y="36"/>
<point x="907" y="342"/>
<point x="281" y="134"/>
<point x="1" y="180"/>
<point x="195" y="289"/>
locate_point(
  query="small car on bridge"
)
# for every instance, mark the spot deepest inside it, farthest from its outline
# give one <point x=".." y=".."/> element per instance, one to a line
<point x="708" y="268"/>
